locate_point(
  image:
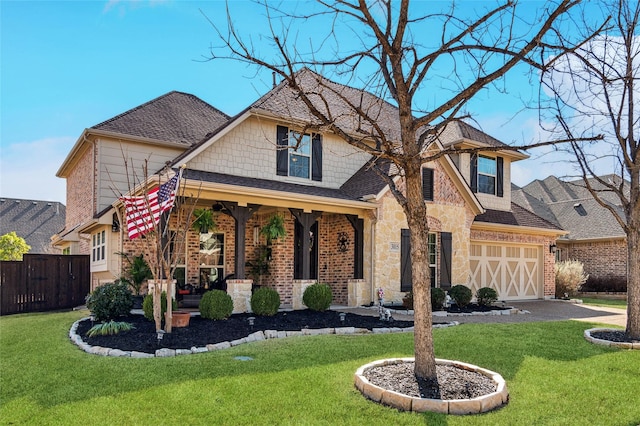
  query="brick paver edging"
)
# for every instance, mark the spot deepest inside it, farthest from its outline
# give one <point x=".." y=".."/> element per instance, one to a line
<point x="253" y="337"/>
<point x="403" y="402"/>
<point x="621" y="345"/>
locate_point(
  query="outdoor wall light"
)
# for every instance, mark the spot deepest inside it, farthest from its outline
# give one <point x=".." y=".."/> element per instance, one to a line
<point x="552" y="248"/>
<point x="115" y="223"/>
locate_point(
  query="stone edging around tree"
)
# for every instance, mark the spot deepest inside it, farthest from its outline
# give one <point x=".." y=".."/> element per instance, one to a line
<point x="403" y="402"/>
<point x="253" y="337"/>
<point x="621" y="345"/>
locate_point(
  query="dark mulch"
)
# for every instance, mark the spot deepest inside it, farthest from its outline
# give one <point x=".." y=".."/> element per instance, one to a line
<point x="200" y="332"/>
<point x="618" y="336"/>
<point x="453" y="382"/>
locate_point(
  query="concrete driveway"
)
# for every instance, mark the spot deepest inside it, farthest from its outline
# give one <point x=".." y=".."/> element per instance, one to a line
<point x="552" y="310"/>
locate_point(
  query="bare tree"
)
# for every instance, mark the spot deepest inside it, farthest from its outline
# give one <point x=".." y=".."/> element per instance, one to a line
<point x="425" y="62"/>
<point x="597" y="88"/>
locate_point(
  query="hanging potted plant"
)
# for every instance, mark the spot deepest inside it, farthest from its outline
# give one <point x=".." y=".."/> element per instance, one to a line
<point x="274" y="228"/>
<point x="203" y="221"/>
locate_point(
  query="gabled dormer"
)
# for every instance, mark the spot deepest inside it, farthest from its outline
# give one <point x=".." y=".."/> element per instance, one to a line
<point x="488" y="173"/>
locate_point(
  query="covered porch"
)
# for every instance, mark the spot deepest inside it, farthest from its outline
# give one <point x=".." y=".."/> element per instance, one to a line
<point x="326" y="233"/>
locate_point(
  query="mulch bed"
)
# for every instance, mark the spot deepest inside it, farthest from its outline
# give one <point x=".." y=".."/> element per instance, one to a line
<point x="618" y="336"/>
<point x="200" y="332"/>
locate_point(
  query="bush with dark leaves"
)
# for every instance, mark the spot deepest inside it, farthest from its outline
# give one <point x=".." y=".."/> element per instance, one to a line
<point x="317" y="297"/>
<point x="486" y="296"/>
<point x="110" y="301"/>
<point x="461" y="294"/>
<point x="216" y="305"/>
<point x="265" y="301"/>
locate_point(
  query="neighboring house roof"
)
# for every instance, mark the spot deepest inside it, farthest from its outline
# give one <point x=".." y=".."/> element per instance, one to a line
<point x="518" y="216"/>
<point x="34" y="220"/>
<point x="173" y="117"/>
<point x="570" y="205"/>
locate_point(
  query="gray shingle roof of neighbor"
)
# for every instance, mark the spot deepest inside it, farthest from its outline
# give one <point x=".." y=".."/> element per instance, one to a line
<point x="173" y="117"/>
<point x="34" y="220"/>
<point x="518" y="216"/>
<point x="573" y="207"/>
<point x="273" y="185"/>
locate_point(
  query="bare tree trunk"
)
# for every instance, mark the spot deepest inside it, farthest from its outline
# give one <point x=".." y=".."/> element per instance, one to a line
<point x="157" y="306"/>
<point x="425" y="364"/>
<point x="168" y="320"/>
<point x="633" y="280"/>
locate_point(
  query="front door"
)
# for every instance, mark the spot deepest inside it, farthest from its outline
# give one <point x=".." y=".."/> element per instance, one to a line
<point x="297" y="252"/>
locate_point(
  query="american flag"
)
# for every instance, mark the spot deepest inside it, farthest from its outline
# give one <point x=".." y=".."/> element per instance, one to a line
<point x="143" y="213"/>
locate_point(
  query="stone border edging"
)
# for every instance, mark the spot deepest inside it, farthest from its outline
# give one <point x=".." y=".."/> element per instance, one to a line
<point x="621" y="345"/>
<point x="481" y="404"/>
<point x="253" y="337"/>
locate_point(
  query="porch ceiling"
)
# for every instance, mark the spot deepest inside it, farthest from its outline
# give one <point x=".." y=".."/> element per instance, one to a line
<point x="244" y="190"/>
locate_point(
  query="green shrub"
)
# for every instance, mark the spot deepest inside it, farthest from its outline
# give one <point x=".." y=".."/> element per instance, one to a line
<point x="317" y="297"/>
<point x="109" y="328"/>
<point x="437" y="298"/>
<point x="486" y="296"/>
<point x="147" y="305"/>
<point x="216" y="305"/>
<point x="265" y="301"/>
<point x="569" y="277"/>
<point x="407" y="300"/>
<point x="461" y="294"/>
<point x="110" y="301"/>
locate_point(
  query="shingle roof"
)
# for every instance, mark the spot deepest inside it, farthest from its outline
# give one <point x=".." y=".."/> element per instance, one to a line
<point x="34" y="220"/>
<point x="273" y="185"/>
<point x="458" y="130"/>
<point x="173" y="117"/>
<point x="366" y="181"/>
<point x="518" y="216"/>
<point x="572" y="207"/>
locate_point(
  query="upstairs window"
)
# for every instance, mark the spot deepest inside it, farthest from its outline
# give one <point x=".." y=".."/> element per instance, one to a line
<point x="298" y="154"/>
<point x="487" y="171"/>
<point x="487" y="175"/>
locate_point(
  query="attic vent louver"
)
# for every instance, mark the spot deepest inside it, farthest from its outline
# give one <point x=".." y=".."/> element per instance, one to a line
<point x="580" y="209"/>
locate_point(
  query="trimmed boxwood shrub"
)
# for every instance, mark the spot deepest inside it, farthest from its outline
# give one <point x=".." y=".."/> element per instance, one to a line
<point x="437" y="298"/>
<point x="317" y="297"/>
<point x="265" y="301"/>
<point x="216" y="305"/>
<point x="147" y="305"/>
<point x="110" y="301"/>
<point x="486" y="296"/>
<point x="461" y="294"/>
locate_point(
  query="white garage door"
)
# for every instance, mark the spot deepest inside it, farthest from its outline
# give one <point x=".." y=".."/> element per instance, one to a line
<point x="515" y="272"/>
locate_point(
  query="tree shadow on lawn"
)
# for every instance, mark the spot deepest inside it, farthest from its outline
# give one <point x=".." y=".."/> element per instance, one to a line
<point x="62" y="373"/>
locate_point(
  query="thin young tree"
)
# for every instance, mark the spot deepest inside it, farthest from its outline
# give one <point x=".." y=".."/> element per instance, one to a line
<point x="426" y="62"/>
<point x="162" y="240"/>
<point x="597" y="88"/>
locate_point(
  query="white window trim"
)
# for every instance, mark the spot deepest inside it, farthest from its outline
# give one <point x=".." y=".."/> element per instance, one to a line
<point x="292" y="151"/>
<point x="494" y="176"/>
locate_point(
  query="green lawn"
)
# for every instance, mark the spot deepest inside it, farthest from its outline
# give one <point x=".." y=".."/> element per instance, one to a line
<point x="611" y="303"/>
<point x="554" y="377"/>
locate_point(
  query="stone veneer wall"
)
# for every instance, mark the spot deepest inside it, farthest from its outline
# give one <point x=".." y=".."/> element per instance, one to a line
<point x="447" y="213"/>
<point x="548" y="260"/>
<point x="601" y="259"/>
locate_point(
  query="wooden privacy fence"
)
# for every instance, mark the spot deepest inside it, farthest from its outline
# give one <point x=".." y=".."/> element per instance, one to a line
<point x="43" y="282"/>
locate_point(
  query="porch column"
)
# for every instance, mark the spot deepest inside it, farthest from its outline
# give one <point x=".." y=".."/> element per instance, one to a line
<point x="358" y="245"/>
<point x="306" y="220"/>
<point x="241" y="215"/>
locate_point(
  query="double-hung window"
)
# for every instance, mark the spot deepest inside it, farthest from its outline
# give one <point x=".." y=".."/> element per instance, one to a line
<point x="487" y="175"/>
<point x="299" y="154"/>
<point x="487" y="172"/>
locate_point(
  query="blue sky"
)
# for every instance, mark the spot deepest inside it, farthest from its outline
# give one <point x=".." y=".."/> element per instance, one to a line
<point x="68" y="65"/>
